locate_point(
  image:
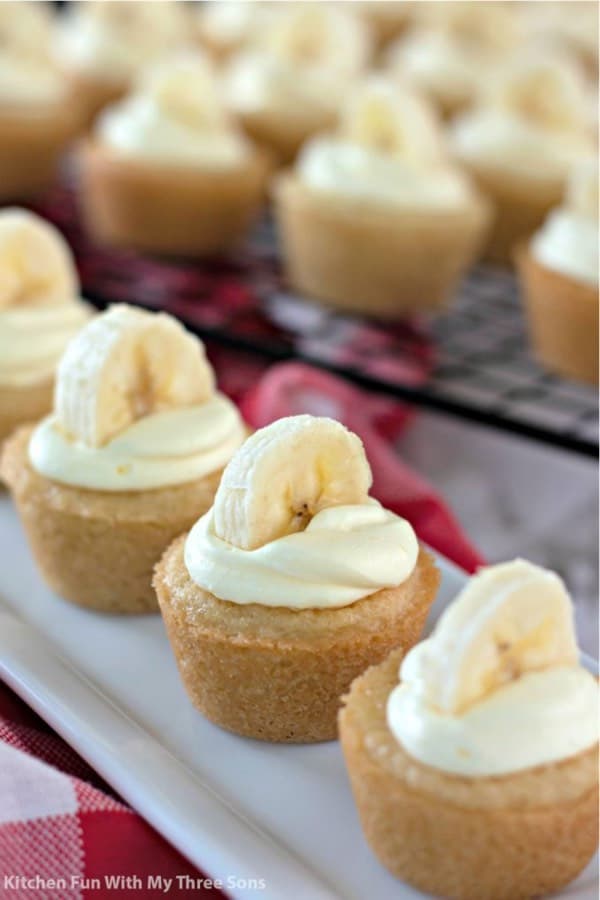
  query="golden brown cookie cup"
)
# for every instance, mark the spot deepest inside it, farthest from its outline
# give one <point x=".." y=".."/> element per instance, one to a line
<point x="277" y="674"/>
<point x="508" y="837"/>
<point x="31" y="145"/>
<point x="562" y="316"/>
<point x="520" y="206"/>
<point x="176" y="210"/>
<point x="372" y="260"/>
<point x="25" y="403"/>
<point x="94" y="94"/>
<point x="98" y="548"/>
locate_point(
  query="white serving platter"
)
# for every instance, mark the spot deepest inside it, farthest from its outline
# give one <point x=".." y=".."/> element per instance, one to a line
<point x="238" y="809"/>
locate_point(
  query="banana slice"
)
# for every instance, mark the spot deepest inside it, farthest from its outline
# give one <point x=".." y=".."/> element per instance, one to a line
<point x="546" y="90"/>
<point x="126" y="364"/>
<point x="284" y="474"/>
<point x="36" y="265"/>
<point x="582" y="190"/>
<point x="185" y="88"/>
<point x="510" y="619"/>
<point x="393" y="119"/>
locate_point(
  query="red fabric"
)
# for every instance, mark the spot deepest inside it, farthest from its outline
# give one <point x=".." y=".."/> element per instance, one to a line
<point x="57" y="818"/>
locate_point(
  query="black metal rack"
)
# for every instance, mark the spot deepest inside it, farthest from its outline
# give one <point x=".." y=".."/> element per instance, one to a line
<point x="472" y="361"/>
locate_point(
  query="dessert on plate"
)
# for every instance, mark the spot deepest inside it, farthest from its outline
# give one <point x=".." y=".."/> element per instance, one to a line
<point x="291" y="585"/>
<point x="130" y="457"/>
<point x="519" y="143"/>
<point x="289" y="83"/>
<point x="558" y="270"/>
<point x="476" y="775"/>
<point x="165" y="169"/>
<point x="40" y="311"/>
<point x="451" y="47"/>
<point x="103" y="46"/>
<point x="367" y="209"/>
<point x="38" y="113"/>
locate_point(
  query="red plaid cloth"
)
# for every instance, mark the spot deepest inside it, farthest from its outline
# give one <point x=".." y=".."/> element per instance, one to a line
<point x="57" y="819"/>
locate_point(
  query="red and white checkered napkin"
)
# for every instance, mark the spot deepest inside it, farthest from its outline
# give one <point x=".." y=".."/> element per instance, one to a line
<point x="63" y="834"/>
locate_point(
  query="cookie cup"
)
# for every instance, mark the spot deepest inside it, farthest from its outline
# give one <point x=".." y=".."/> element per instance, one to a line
<point x="520" y="205"/>
<point x="24" y="403"/>
<point x="98" y="548"/>
<point x="170" y="209"/>
<point x="562" y="316"/>
<point x="369" y="259"/>
<point x="507" y="837"/>
<point x="277" y="674"/>
<point x="31" y="144"/>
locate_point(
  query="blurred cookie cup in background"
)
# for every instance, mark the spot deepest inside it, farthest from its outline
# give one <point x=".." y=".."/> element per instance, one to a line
<point x="102" y="47"/>
<point x="224" y="27"/>
<point x="558" y="271"/>
<point x="519" y="143"/>
<point x="167" y="171"/>
<point x="38" y="113"/>
<point x="289" y="84"/>
<point x="451" y="47"/>
<point x="473" y="758"/>
<point x="373" y="218"/>
<point x="40" y="311"/>
<point x="129" y="458"/>
<point x="387" y="19"/>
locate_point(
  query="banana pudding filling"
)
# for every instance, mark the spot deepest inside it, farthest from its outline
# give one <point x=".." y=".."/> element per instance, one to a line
<point x="477" y="774"/>
<point x="40" y="311"/>
<point x="129" y="458"/>
<point x="292" y="584"/>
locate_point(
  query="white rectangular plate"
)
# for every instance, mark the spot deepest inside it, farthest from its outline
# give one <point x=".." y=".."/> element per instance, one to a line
<point x="237" y="808"/>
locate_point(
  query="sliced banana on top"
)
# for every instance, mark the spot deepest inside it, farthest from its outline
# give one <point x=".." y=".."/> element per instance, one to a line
<point x="126" y="364"/>
<point x="286" y="473"/>
<point x="185" y="88"/>
<point x="394" y="119"/>
<point x="36" y="264"/>
<point x="510" y="619"/>
<point x="547" y="90"/>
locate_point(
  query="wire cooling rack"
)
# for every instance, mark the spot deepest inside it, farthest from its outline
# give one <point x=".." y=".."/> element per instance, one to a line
<point x="472" y="361"/>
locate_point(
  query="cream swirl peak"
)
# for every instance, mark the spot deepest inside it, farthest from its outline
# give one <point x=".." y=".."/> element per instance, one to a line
<point x="388" y="149"/>
<point x="497" y="687"/>
<point x="135" y="407"/>
<point x="532" y="116"/>
<point x="175" y="114"/>
<point x="568" y="240"/>
<point x="39" y="305"/>
<point x="293" y="524"/>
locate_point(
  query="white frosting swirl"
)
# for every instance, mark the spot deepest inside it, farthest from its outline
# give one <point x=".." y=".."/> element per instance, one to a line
<point x="159" y="450"/>
<point x="114" y="41"/>
<point x="439" y="65"/>
<point x="542" y="717"/>
<point x="568" y="240"/>
<point x="568" y="243"/>
<point x="32" y="339"/>
<point x="509" y="142"/>
<point x="262" y="83"/>
<point x="358" y="172"/>
<point x="345" y="553"/>
<point x="175" y="116"/>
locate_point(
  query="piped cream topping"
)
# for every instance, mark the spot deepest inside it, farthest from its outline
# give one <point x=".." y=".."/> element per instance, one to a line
<point x="497" y="688"/>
